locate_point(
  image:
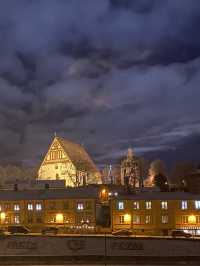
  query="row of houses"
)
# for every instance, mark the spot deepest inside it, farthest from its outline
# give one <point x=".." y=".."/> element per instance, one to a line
<point x="99" y="209"/>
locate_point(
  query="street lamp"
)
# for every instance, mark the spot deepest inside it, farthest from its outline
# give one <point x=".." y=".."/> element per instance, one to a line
<point x="59" y="218"/>
<point x="127" y="218"/>
<point x="2" y="216"/>
<point x="192" y="219"/>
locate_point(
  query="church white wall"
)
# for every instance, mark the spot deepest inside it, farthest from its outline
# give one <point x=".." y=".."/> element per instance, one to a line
<point x="60" y="170"/>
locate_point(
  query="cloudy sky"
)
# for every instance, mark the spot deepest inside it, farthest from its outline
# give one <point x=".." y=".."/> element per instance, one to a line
<point x="109" y="74"/>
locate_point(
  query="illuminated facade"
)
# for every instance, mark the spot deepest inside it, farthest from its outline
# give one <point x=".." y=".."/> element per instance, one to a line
<point x="68" y="161"/>
<point x="79" y="209"/>
<point x="130" y="170"/>
<point x="70" y="209"/>
<point x="157" y="213"/>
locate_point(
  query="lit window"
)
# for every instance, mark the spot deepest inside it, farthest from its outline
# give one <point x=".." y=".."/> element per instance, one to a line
<point x="121" y="219"/>
<point x="147" y="219"/>
<point x="7" y="206"/>
<point x="38" y="206"/>
<point x="198" y="219"/>
<point x="16" y="219"/>
<point x="192" y="219"/>
<point x="136" y="219"/>
<point x="30" y="206"/>
<point x="52" y="219"/>
<point x="80" y="206"/>
<point x="7" y="219"/>
<point x="120" y="205"/>
<point x="184" y="219"/>
<point x="184" y="204"/>
<point x="16" y="207"/>
<point x="136" y="205"/>
<point x="164" y="205"/>
<point x="164" y="219"/>
<point x="66" y="219"/>
<point x="197" y="204"/>
<point x="148" y="205"/>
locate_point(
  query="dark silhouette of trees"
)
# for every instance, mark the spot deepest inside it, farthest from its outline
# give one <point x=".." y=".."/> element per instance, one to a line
<point x="161" y="182"/>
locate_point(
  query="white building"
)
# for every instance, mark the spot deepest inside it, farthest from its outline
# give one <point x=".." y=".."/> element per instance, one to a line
<point x="66" y="160"/>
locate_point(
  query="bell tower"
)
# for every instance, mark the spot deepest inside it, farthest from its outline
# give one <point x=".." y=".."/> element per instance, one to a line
<point x="130" y="170"/>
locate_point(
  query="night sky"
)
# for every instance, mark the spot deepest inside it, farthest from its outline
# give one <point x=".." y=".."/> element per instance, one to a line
<point x="107" y="74"/>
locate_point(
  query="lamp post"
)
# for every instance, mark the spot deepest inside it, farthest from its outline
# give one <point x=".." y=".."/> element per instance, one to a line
<point x="105" y="250"/>
<point x="106" y="198"/>
<point x="192" y="220"/>
<point x="2" y="217"/>
<point x="111" y="196"/>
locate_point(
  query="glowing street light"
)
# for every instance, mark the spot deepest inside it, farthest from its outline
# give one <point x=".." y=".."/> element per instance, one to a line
<point x="103" y="191"/>
<point x="192" y="219"/>
<point x="2" y="216"/>
<point x="127" y="218"/>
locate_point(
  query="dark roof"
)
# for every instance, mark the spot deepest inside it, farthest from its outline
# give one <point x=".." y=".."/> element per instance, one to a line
<point x="39" y="194"/>
<point x="78" y="155"/>
<point x="160" y="196"/>
<point x="90" y="192"/>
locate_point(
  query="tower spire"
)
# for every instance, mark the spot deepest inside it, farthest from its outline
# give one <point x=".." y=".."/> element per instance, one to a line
<point x="130" y="153"/>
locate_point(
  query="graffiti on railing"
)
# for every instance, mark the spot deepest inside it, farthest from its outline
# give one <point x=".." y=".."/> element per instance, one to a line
<point x="76" y="244"/>
<point x="26" y="244"/>
<point x="127" y="245"/>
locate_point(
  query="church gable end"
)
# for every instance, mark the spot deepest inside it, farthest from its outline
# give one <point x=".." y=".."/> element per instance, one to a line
<point x="69" y="161"/>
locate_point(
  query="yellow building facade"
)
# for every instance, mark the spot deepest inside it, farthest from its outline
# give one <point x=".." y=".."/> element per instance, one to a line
<point x="157" y="213"/>
<point x="66" y="160"/>
<point x="76" y="210"/>
<point x="71" y="211"/>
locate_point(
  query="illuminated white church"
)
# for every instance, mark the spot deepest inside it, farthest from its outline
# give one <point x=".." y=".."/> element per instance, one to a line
<point x="69" y="161"/>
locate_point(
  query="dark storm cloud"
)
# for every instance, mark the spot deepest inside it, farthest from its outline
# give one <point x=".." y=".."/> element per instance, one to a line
<point x="108" y="74"/>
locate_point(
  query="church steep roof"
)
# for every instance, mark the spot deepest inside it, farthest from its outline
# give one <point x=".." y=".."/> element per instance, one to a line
<point x="78" y="155"/>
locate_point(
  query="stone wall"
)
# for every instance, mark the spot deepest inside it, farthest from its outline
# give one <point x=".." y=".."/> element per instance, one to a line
<point x="97" y="246"/>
